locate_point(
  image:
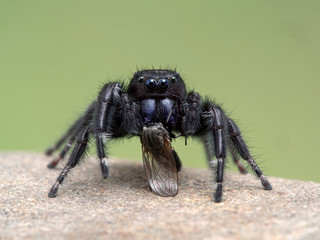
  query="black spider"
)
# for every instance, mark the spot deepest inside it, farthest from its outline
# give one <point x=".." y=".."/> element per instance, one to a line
<point x="156" y="107"/>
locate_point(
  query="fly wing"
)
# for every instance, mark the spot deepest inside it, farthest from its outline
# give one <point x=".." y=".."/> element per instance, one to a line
<point x="159" y="161"/>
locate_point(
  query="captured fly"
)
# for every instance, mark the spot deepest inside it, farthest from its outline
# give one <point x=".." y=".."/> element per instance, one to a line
<point x="160" y="160"/>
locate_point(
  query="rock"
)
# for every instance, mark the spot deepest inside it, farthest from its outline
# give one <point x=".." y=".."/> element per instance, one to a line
<point x="122" y="207"/>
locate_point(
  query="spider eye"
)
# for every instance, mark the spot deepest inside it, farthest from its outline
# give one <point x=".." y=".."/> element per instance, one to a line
<point x="151" y="83"/>
<point x="173" y="79"/>
<point x="163" y="83"/>
<point x="140" y="79"/>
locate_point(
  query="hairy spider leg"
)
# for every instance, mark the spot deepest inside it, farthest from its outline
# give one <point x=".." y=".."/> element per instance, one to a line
<point x="220" y="149"/>
<point x="214" y="141"/>
<point x="81" y="123"/>
<point x="107" y="106"/>
<point x="212" y="132"/>
<point x="243" y="150"/>
<point x="81" y="144"/>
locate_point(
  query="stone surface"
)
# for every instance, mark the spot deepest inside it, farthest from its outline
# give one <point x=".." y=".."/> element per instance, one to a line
<point x="122" y="207"/>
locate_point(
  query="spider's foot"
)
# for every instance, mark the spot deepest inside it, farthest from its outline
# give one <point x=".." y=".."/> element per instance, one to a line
<point x="54" y="190"/>
<point x="54" y="162"/>
<point x="218" y="194"/>
<point x="49" y="151"/>
<point x="266" y="185"/>
<point x="104" y="168"/>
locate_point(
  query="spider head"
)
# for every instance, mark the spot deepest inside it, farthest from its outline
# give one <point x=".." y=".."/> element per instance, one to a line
<point x="157" y="84"/>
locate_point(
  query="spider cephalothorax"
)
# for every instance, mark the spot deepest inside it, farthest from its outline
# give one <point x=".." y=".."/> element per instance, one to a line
<point x="156" y="107"/>
<point x="157" y="84"/>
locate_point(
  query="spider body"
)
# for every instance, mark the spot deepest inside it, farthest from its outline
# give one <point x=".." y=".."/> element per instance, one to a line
<point x="156" y="107"/>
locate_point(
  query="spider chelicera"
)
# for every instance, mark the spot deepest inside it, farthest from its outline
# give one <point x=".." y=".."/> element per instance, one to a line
<point x="156" y="107"/>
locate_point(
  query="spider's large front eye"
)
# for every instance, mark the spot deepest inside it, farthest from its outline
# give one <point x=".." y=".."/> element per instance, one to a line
<point x="163" y="83"/>
<point x="151" y="83"/>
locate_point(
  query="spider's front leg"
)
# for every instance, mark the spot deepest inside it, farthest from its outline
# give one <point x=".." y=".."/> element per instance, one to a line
<point x="104" y="120"/>
<point x="220" y="148"/>
<point x="210" y="126"/>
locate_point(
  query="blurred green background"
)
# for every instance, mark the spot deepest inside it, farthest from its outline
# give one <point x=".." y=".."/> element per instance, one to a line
<point x="260" y="59"/>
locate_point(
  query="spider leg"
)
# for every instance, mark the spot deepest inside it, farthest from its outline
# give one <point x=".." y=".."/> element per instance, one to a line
<point x="210" y="125"/>
<point x="81" y="123"/>
<point x="82" y="139"/>
<point x="243" y="150"/>
<point x="236" y="160"/>
<point x="220" y="148"/>
<point x="54" y="162"/>
<point x="104" y="120"/>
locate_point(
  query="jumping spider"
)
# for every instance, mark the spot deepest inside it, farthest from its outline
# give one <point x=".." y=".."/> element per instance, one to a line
<point x="156" y="107"/>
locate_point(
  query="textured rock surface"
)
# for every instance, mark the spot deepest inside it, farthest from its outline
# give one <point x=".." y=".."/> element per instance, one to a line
<point x="122" y="207"/>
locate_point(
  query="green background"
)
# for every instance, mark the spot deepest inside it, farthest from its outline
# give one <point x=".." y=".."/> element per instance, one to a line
<point x="260" y="59"/>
